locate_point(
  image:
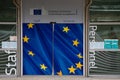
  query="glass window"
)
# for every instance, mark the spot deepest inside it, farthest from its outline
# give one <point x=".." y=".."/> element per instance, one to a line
<point x="7" y="11"/>
<point x="6" y="31"/>
<point x="7" y="62"/>
<point x="104" y="10"/>
<point x="103" y="32"/>
<point x="8" y="38"/>
<point x="104" y="63"/>
<point x="104" y="52"/>
<point x="104" y="39"/>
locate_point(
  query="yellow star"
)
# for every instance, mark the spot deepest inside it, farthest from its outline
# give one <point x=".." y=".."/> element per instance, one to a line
<point x="72" y="70"/>
<point x="30" y="25"/>
<point x="79" y="65"/>
<point x="43" y="66"/>
<point x="79" y="56"/>
<point x="75" y="42"/>
<point x="65" y="29"/>
<point x="25" y="39"/>
<point x="59" y="73"/>
<point x="31" y="53"/>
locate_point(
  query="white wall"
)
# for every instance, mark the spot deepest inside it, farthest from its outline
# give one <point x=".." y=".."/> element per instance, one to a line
<point x="76" y="6"/>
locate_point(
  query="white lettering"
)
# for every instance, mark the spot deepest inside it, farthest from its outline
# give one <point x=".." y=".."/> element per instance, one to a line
<point x="12" y="58"/>
<point x="92" y="59"/>
<point x="92" y="34"/>
<point x="11" y="70"/>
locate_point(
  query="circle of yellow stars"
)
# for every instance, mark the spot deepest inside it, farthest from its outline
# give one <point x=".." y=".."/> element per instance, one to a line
<point x="75" y="42"/>
<point x="78" y="65"/>
<point x="72" y="69"/>
<point x="26" y="40"/>
<point x="42" y="66"/>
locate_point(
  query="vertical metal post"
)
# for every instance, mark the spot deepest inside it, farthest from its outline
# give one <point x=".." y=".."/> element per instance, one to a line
<point x="87" y="5"/>
<point x="18" y="27"/>
<point x="53" y="26"/>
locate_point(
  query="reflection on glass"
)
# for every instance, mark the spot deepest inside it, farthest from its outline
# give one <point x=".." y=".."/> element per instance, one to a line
<point x="106" y="63"/>
<point x="112" y="33"/>
<point x="104" y="10"/>
<point x="105" y="32"/>
<point x="8" y="39"/>
<point x="7" y="11"/>
<point x="7" y="66"/>
<point x="104" y="40"/>
<point x="104" y="16"/>
<point x="6" y="31"/>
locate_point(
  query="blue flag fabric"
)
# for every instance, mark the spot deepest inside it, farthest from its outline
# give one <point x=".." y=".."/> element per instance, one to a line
<point x="44" y="50"/>
<point x="37" y="49"/>
<point x="68" y="49"/>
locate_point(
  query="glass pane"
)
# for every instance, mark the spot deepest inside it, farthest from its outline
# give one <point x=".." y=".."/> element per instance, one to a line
<point x="104" y="16"/>
<point x="104" y="63"/>
<point x="68" y="49"/>
<point x="104" y="54"/>
<point x="8" y="47"/>
<point x="104" y="40"/>
<point x="7" y="62"/>
<point x="5" y="32"/>
<point x="105" y="10"/>
<point x="37" y="49"/>
<point x="7" y="11"/>
<point x="104" y="34"/>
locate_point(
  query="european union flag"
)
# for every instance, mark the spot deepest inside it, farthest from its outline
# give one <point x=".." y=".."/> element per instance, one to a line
<point x="37" y="49"/>
<point x="44" y="49"/>
<point x="68" y="49"/>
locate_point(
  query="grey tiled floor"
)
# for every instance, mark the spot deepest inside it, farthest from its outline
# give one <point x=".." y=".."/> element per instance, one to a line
<point x="58" y="78"/>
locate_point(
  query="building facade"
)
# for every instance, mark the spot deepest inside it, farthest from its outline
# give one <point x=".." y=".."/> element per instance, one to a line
<point x="63" y="37"/>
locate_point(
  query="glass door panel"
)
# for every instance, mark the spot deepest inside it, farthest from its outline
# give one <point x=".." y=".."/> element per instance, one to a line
<point x="37" y="49"/>
<point x="68" y="49"/>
